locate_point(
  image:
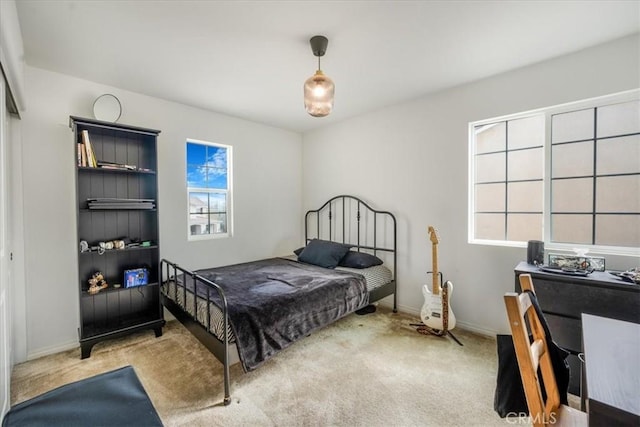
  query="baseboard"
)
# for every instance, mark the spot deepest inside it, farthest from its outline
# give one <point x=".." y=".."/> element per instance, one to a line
<point x="52" y="350"/>
<point x="459" y="324"/>
<point x="476" y="329"/>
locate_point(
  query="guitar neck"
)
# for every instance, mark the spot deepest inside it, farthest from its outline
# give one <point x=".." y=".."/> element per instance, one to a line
<point x="435" y="286"/>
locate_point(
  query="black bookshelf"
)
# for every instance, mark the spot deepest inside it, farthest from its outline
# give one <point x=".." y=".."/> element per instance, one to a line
<point x="117" y="311"/>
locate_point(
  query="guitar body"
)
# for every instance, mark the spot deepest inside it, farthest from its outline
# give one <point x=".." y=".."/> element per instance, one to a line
<point x="436" y="312"/>
<point x="431" y="313"/>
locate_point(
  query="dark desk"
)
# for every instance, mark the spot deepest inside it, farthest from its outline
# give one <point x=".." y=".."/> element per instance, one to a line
<point x="564" y="298"/>
<point x="612" y="366"/>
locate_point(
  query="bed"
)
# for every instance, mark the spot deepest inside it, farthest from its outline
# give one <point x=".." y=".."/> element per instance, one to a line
<point x="248" y="312"/>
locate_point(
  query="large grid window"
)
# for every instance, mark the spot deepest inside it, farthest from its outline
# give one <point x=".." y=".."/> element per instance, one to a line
<point x="209" y="189"/>
<point x="568" y="175"/>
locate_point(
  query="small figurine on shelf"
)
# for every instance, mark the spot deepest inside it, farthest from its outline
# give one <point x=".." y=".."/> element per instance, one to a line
<point x="97" y="283"/>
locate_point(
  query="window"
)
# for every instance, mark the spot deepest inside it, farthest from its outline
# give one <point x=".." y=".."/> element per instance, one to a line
<point x="209" y="189"/>
<point x="568" y="175"/>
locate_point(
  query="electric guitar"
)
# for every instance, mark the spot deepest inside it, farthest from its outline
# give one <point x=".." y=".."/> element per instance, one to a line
<point x="436" y="312"/>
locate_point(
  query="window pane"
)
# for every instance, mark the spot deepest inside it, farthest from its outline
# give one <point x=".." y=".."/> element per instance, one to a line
<point x="216" y="167"/>
<point x="218" y="203"/>
<point x="198" y="225"/>
<point x="198" y="203"/>
<point x="526" y="164"/>
<point x="618" y="155"/>
<point x="618" y="230"/>
<point x="572" y="159"/>
<point x="490" y="137"/>
<point x="196" y="153"/>
<point x="489" y="226"/>
<point x="572" y="195"/>
<point x="524" y="227"/>
<point x="619" y="119"/>
<point x="573" y="126"/>
<point x="218" y="209"/>
<point x="618" y="194"/>
<point x="196" y="176"/>
<point x="571" y="229"/>
<point x="490" y="198"/>
<point x="218" y="223"/>
<point x="527" y="132"/>
<point x="490" y="167"/>
<point x="525" y="197"/>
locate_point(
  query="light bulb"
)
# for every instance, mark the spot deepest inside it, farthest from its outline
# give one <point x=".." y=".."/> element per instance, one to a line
<point x="318" y="95"/>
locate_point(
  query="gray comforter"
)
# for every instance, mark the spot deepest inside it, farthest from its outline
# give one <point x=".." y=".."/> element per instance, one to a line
<point x="274" y="302"/>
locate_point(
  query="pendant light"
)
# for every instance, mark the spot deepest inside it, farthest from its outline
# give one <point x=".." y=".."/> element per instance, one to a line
<point x="319" y="89"/>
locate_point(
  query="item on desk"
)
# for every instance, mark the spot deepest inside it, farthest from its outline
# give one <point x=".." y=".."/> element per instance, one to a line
<point x="535" y="252"/>
<point x="632" y="275"/>
<point x="570" y="271"/>
<point x="578" y="262"/>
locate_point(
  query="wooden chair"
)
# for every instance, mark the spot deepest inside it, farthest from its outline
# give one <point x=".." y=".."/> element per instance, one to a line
<point x="533" y="355"/>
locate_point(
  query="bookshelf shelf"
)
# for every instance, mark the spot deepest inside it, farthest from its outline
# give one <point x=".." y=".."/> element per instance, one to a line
<point x="115" y="312"/>
<point x="119" y="251"/>
<point x="111" y="289"/>
<point x="110" y="170"/>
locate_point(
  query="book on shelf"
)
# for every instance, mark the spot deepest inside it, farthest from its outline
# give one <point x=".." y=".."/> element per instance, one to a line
<point x="91" y="155"/>
<point x="111" y="165"/>
<point x="117" y="203"/>
<point x="83" y="153"/>
<point x="79" y="148"/>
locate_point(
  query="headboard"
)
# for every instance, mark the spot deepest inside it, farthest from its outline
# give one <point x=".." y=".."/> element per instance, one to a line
<point x="347" y="219"/>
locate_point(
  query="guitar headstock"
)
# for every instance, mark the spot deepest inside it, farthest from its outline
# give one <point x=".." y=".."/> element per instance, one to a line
<point x="433" y="235"/>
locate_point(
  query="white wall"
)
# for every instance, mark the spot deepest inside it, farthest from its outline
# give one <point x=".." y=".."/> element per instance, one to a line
<point x="412" y="159"/>
<point x="266" y="184"/>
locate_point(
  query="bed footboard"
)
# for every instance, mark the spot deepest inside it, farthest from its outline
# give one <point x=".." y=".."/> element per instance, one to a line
<point x="170" y="271"/>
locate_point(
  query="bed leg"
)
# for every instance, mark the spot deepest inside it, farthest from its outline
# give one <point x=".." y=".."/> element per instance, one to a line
<point x="395" y="303"/>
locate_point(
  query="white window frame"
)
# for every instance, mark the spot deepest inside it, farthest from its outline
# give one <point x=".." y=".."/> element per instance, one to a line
<point x="548" y="112"/>
<point x="228" y="192"/>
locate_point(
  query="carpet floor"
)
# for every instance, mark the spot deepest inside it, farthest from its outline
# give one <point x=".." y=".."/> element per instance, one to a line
<point x="372" y="370"/>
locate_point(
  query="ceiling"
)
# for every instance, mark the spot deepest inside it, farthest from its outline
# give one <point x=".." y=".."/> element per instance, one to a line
<point x="249" y="59"/>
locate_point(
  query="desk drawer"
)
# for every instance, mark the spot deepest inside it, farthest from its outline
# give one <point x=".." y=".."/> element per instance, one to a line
<point x="566" y="332"/>
<point x="573" y="299"/>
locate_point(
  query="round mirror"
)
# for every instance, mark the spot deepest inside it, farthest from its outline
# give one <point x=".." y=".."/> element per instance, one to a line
<point x="107" y="108"/>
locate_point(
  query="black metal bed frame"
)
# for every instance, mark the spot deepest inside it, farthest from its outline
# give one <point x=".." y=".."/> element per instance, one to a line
<point x="220" y="348"/>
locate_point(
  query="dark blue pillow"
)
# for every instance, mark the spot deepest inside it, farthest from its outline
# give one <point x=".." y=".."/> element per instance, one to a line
<point x="298" y="251"/>
<point x="355" y="259"/>
<point x="323" y="253"/>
